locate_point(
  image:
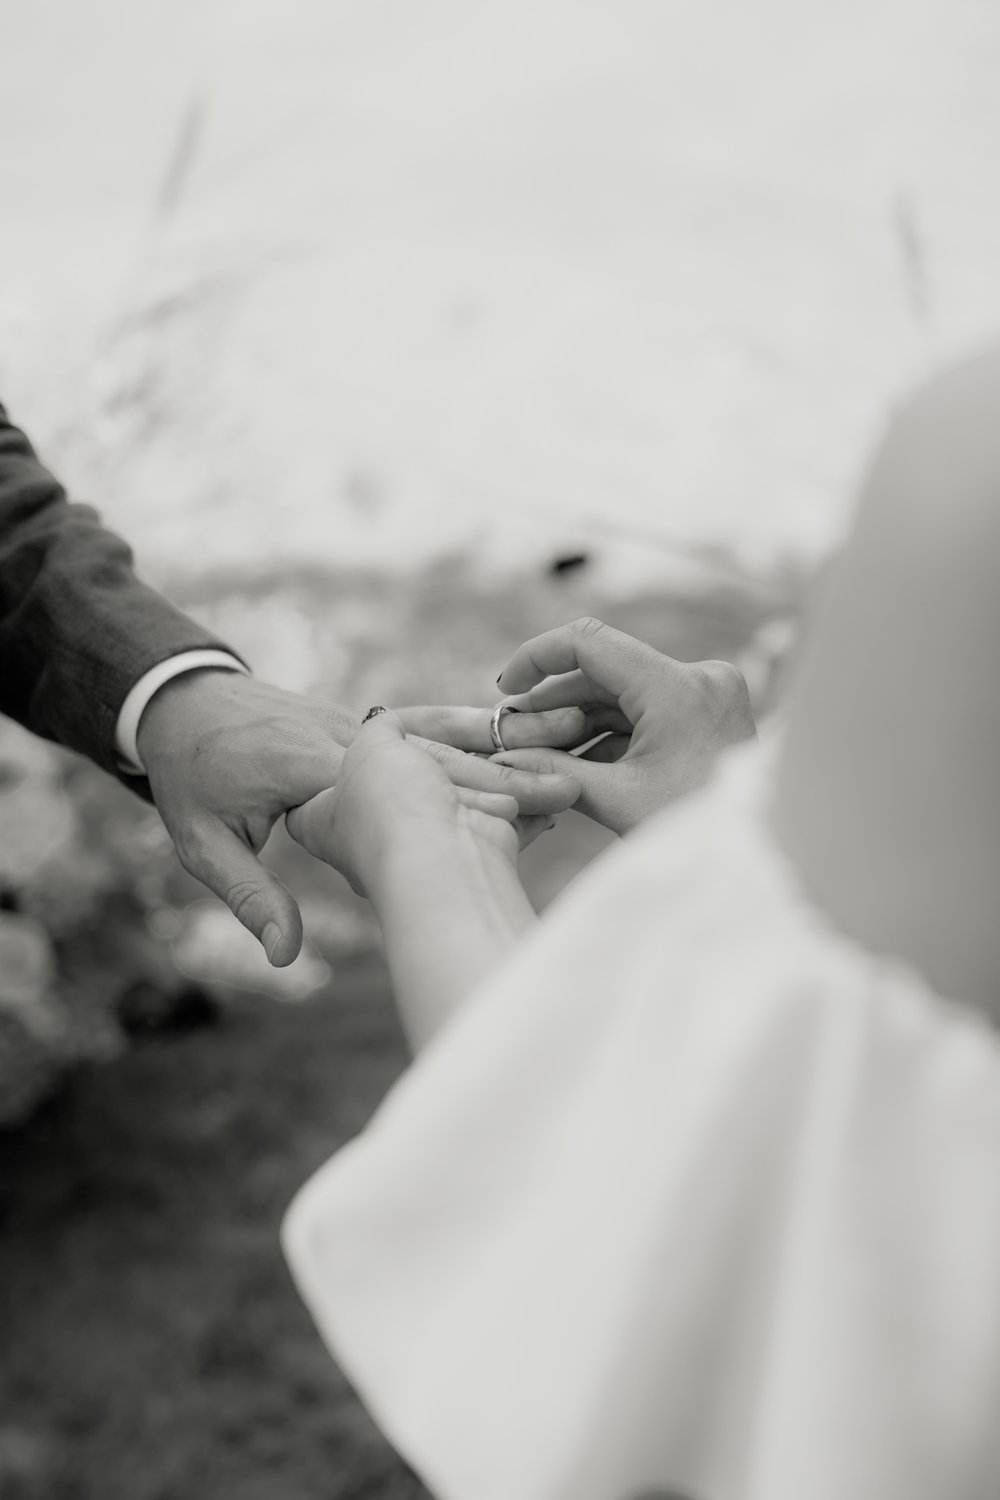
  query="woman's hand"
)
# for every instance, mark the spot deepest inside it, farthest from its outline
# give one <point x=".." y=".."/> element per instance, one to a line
<point x="448" y="730"/>
<point x="438" y="862"/>
<point x="393" y="801"/>
<point x="664" y="721"/>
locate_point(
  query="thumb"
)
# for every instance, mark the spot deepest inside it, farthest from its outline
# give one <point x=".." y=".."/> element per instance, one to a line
<point x="219" y="857"/>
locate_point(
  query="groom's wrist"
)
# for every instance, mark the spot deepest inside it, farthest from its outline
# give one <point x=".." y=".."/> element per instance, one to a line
<point x="134" y="721"/>
<point x="179" y="710"/>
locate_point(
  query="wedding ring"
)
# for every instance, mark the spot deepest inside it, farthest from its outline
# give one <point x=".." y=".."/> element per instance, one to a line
<point x="495" y="717"/>
<point x="373" y="712"/>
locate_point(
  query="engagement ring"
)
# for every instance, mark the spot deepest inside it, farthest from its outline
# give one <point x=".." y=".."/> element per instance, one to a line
<point x="497" y="715"/>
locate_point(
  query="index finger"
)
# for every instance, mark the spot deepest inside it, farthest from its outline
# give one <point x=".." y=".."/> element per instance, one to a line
<point x="609" y="657"/>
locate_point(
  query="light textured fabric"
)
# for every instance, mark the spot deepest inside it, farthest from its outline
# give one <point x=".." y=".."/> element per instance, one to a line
<point x="693" y="1194"/>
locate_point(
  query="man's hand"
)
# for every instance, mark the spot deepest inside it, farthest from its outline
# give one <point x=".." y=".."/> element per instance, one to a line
<point x="227" y="755"/>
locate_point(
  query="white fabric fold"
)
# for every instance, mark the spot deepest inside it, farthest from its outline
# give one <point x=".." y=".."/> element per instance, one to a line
<point x="694" y="1193"/>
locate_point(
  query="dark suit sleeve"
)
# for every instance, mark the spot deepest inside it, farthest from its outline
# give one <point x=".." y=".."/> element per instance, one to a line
<point x="77" y="627"/>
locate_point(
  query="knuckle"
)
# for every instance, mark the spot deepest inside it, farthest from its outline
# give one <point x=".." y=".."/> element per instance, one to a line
<point x="339" y="724"/>
<point x="587" y="625"/>
<point x="440" y="720"/>
<point x="724" y="675"/>
<point x="240" y="898"/>
<point x="445" y="755"/>
<point x="502" y="775"/>
<point x="724" y="684"/>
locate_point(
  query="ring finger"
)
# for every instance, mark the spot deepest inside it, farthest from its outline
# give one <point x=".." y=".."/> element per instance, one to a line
<point x="469" y="728"/>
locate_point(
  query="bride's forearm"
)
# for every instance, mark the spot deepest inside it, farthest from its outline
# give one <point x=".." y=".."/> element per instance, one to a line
<point x="450" y="912"/>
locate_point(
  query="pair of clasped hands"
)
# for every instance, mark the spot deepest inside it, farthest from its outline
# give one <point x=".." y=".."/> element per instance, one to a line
<point x="227" y="756"/>
<point x="661" y="725"/>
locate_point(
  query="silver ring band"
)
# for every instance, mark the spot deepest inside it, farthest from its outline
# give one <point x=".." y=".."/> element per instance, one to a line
<point x="495" y="717"/>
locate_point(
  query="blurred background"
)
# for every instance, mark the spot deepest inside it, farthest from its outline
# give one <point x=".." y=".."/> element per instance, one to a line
<point x="389" y="334"/>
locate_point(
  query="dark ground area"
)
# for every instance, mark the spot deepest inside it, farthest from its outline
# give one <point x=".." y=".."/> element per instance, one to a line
<point x="152" y="1346"/>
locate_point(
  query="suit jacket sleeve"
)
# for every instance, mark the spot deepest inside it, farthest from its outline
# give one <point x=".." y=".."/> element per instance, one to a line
<point x="77" y="627"/>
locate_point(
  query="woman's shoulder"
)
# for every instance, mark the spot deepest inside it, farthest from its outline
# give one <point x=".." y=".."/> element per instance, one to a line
<point x="887" y="796"/>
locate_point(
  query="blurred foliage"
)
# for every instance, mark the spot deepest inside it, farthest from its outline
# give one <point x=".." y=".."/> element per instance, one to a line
<point x="82" y="866"/>
<point x="153" y="1345"/>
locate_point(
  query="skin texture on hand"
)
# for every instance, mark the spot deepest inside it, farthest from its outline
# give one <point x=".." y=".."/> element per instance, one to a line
<point x="227" y="755"/>
<point x="391" y="797"/>
<point x="664" y="721"/>
<point x="438" y="861"/>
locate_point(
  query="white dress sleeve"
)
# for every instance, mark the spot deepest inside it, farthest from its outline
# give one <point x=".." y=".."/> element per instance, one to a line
<point x="693" y="1195"/>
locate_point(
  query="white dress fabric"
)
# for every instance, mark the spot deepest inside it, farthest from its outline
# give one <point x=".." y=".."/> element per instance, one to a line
<point x="695" y="1197"/>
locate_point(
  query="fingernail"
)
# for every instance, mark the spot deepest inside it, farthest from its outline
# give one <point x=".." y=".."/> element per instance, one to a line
<point x="498" y="679"/>
<point x="271" y="937"/>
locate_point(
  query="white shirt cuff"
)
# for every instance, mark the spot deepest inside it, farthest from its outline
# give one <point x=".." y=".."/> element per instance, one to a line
<point x="127" y="728"/>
